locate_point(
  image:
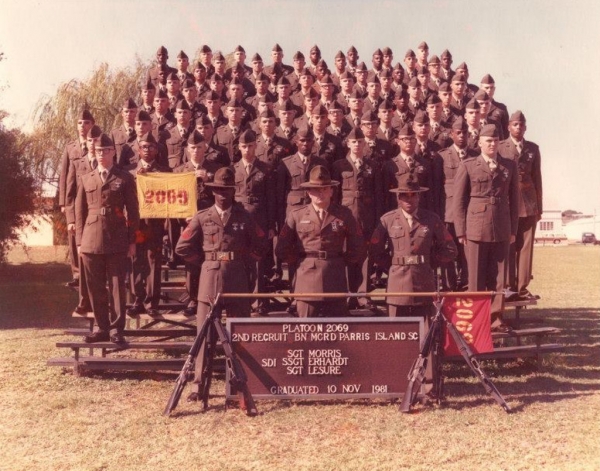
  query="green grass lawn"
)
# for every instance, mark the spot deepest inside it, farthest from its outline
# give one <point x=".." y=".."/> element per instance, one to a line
<point x="52" y="420"/>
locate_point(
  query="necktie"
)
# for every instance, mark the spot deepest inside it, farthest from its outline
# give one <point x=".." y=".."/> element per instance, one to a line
<point x="474" y="134"/>
<point x="319" y="140"/>
<point x="388" y="134"/>
<point x="409" y="219"/>
<point x="422" y="146"/>
<point x="519" y="148"/>
<point x="435" y="126"/>
<point x="224" y="217"/>
<point x="493" y="165"/>
<point x="462" y="154"/>
<point x="410" y="162"/>
<point x="84" y="148"/>
<point x="248" y="168"/>
<point x="358" y="164"/>
<point x="357" y="122"/>
<point x="130" y="133"/>
<point x="104" y="175"/>
<point x="483" y="121"/>
<point x="268" y="141"/>
<point x="371" y="144"/>
<point x="94" y="163"/>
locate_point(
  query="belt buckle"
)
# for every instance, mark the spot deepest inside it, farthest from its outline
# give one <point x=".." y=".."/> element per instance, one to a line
<point x="321" y="255"/>
<point x="493" y="200"/>
<point x="223" y="256"/>
<point x="103" y="211"/>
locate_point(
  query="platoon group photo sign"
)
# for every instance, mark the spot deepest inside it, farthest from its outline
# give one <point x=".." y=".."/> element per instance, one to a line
<point x="326" y="358"/>
<point x="167" y="195"/>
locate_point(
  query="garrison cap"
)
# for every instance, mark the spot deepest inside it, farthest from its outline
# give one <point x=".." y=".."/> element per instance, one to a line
<point x="267" y="114"/>
<point x="444" y="87"/>
<point x="195" y="138"/>
<point x="335" y="105"/>
<point x="233" y="103"/>
<point x="312" y="93"/>
<point x="262" y="77"/>
<point x="305" y="71"/>
<point x="173" y="76"/>
<point x="421" y="117"/>
<point x="148" y="85"/>
<point x="408" y="183"/>
<point x="239" y="49"/>
<point x="434" y="60"/>
<point x="489" y="130"/>
<point x="298" y="56"/>
<point x="347" y="75"/>
<point x="361" y="67"/>
<point x="356" y="95"/>
<point x="463" y="66"/>
<point x="517" y="116"/>
<point x="386" y="51"/>
<point x="385" y="73"/>
<point x="238" y="68"/>
<point x="488" y="79"/>
<point x="267" y="98"/>
<point x="398" y="66"/>
<point x="203" y="120"/>
<point x="129" y="104"/>
<point x="460" y="124"/>
<point x="473" y="104"/>
<point x="446" y="53"/>
<point x="218" y="56"/>
<point x="305" y="133"/>
<point x="85" y="115"/>
<point x="256" y="58"/>
<point x="356" y="133"/>
<point x="235" y="81"/>
<point x="481" y="95"/>
<point x="326" y="79"/>
<point x="414" y="82"/>
<point x="322" y="64"/>
<point x="277" y="48"/>
<point x="423" y="70"/>
<point x="287" y="106"/>
<point x="205" y="49"/>
<point x="142" y="115"/>
<point x="95" y="132"/>
<point x="386" y="105"/>
<point x="372" y="78"/>
<point x="410" y="53"/>
<point x="215" y="78"/>
<point x="319" y="177"/>
<point x="352" y="49"/>
<point x="148" y="137"/>
<point x="369" y="117"/>
<point x="162" y="50"/>
<point x="224" y="178"/>
<point x="182" y="105"/>
<point x="319" y="110"/>
<point x="459" y="78"/>
<point x="182" y="55"/>
<point x="188" y="83"/>
<point x="315" y="48"/>
<point x="248" y="136"/>
<point x="433" y="99"/>
<point x="406" y="131"/>
<point x="377" y="52"/>
<point x="199" y="65"/>
<point x="105" y="142"/>
<point x="423" y="46"/>
<point x="162" y="94"/>
<point x="339" y="55"/>
<point x="283" y="81"/>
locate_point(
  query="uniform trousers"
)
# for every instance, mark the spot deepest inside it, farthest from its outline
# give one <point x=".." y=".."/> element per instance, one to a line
<point x="521" y="255"/>
<point x="328" y="308"/>
<point x="145" y="274"/>
<point x="455" y="275"/>
<point x="102" y="270"/>
<point x="73" y="257"/>
<point x="487" y="269"/>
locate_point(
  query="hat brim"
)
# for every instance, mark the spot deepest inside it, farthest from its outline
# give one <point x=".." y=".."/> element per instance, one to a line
<point x="216" y="185"/>
<point x="421" y="189"/>
<point x="313" y="185"/>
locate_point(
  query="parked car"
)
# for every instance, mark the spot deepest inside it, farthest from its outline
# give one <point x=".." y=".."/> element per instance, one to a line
<point x="589" y="238"/>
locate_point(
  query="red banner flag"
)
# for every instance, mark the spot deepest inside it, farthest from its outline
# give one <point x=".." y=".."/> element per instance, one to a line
<point x="471" y="316"/>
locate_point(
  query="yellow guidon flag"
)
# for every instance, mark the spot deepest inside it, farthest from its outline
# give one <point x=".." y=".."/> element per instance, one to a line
<point x="167" y="195"/>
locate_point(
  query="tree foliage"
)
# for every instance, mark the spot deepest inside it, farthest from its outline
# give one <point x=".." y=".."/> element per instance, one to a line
<point x="55" y="119"/>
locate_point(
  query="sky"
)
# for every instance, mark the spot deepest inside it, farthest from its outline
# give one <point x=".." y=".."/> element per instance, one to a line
<point x="543" y="55"/>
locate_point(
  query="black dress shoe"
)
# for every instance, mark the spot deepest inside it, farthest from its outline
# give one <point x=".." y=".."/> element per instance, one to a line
<point x="194" y="397"/>
<point x="97" y="337"/>
<point x="117" y="338"/>
<point x="153" y="312"/>
<point x="82" y="310"/>
<point x="259" y="312"/>
<point x="502" y="328"/>
<point x="370" y="305"/>
<point x="135" y="310"/>
<point x="190" y="310"/>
